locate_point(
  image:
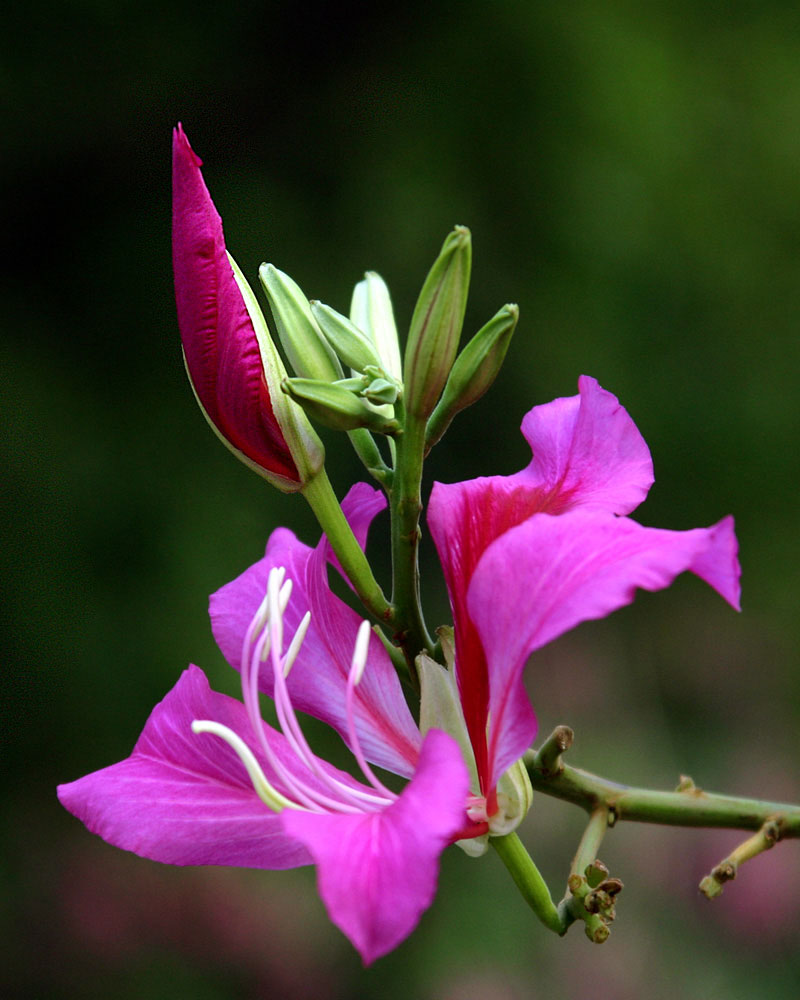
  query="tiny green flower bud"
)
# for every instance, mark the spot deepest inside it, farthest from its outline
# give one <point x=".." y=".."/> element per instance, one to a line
<point x="514" y="798"/>
<point x="334" y="406"/>
<point x="371" y="311"/>
<point x="381" y="391"/>
<point x="436" y="324"/>
<point x="308" y="351"/>
<point x="473" y="372"/>
<point x="595" y="873"/>
<point x="352" y="346"/>
<point x="355" y="384"/>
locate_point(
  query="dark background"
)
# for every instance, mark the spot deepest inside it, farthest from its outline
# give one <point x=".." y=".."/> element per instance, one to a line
<point x="630" y="175"/>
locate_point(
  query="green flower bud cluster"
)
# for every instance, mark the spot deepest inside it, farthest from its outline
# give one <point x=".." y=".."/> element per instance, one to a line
<point x="380" y="394"/>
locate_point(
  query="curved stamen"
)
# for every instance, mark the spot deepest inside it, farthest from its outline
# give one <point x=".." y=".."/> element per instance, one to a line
<point x="357" y="667"/>
<point x="291" y="729"/>
<point x="265" y="791"/>
<point x="296" y="643"/>
<point x="264" y="638"/>
<point x="306" y="796"/>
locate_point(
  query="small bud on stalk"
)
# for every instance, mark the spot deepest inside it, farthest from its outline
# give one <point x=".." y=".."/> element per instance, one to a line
<point x="371" y="311"/>
<point x="349" y="343"/>
<point x="436" y="324"/>
<point x="335" y="406"/>
<point x="308" y="351"/>
<point x="474" y="371"/>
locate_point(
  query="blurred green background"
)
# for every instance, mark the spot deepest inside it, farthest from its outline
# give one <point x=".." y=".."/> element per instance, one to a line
<point x="630" y="175"/>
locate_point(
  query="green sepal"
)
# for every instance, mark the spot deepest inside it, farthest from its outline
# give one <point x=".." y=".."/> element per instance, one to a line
<point x="371" y="311"/>
<point x="352" y="346"/>
<point x="355" y="384"/>
<point x="304" y="444"/>
<point x="436" y="324"/>
<point x="334" y="406"/>
<point x="382" y="392"/>
<point x="474" y="371"/>
<point x="308" y="351"/>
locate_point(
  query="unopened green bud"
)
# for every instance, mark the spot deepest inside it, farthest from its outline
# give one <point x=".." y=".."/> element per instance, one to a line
<point x="371" y="311"/>
<point x="595" y="873"/>
<point x="308" y="351"/>
<point x="436" y="324"/>
<point x="355" y="384"/>
<point x="352" y="346"/>
<point x="514" y="798"/>
<point x="381" y="391"/>
<point x="475" y="369"/>
<point x="334" y="406"/>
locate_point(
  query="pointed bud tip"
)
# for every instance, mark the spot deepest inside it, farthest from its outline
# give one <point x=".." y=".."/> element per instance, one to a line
<point x="459" y="239"/>
<point x="181" y="146"/>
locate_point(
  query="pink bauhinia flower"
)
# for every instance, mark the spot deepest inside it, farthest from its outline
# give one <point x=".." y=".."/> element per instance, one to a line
<point x="529" y="556"/>
<point x="526" y="557"/>
<point x="209" y="783"/>
<point x="232" y="363"/>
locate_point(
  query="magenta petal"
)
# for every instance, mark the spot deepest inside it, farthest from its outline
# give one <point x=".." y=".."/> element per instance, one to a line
<point x="318" y="681"/>
<point x="377" y="872"/>
<point x="547" y="575"/>
<point x="186" y="799"/>
<point x="587" y="452"/>
<point x="219" y="341"/>
<point x="361" y="506"/>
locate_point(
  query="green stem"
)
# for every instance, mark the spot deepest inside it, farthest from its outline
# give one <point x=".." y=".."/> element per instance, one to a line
<point x="688" y="807"/>
<point x="529" y="881"/>
<point x="591" y="840"/>
<point x="367" y="450"/>
<point x="406" y="506"/>
<point x="572" y="906"/>
<point x="322" y="500"/>
<point x="766" y="838"/>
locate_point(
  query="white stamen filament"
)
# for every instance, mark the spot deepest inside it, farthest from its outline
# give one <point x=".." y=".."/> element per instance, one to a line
<point x="357" y="665"/>
<point x="265" y="791"/>
<point x="263" y="639"/>
<point x="296" y="643"/>
<point x="359" y="661"/>
<point x="294" y="734"/>
<point x="250" y="672"/>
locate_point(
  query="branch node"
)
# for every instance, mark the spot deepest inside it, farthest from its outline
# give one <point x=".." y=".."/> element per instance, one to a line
<point x="766" y="838"/>
<point x="596" y="929"/>
<point x="686" y="786"/>
<point x="613" y="886"/>
<point x="595" y="873"/>
<point x="575" y="883"/>
<point x="548" y="758"/>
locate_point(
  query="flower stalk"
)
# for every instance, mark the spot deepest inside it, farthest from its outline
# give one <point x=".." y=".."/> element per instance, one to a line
<point x="767" y="837"/>
<point x="327" y="510"/>
<point x="689" y="807"/>
<point x="529" y="881"/>
<point x="411" y="633"/>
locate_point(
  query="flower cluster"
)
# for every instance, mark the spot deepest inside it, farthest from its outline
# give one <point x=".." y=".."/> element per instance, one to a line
<point x="525" y="558"/>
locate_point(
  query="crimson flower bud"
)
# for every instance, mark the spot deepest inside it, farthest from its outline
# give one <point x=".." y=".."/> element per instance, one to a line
<point x="231" y="360"/>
